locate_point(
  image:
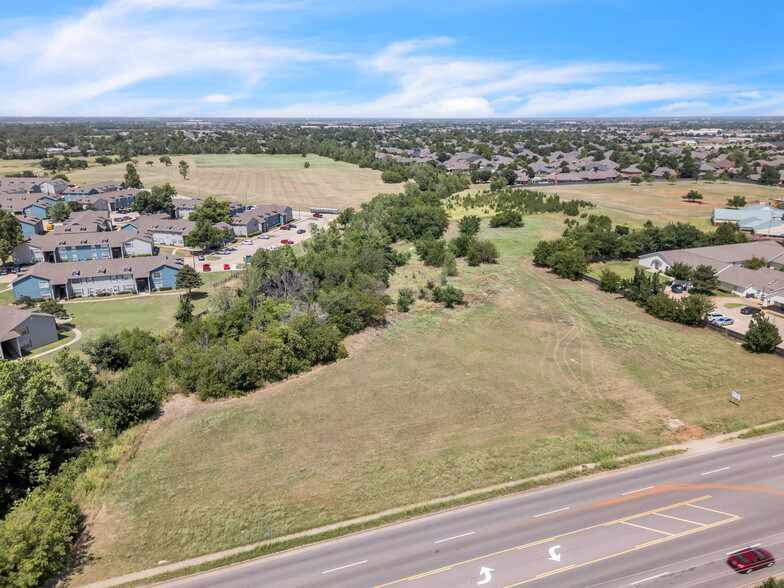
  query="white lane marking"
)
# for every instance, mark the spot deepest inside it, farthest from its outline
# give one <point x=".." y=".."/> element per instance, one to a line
<point x="742" y="548"/>
<point x="551" y="512"/>
<point x="646" y="579"/>
<point x="778" y="455"/>
<point x="714" y="471"/>
<point x="455" y="537"/>
<point x="344" y="567"/>
<point x="640" y="490"/>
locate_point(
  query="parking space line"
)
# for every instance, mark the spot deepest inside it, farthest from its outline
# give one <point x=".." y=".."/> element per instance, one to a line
<point x="658" y="514"/>
<point x="726" y="514"/>
<point x="646" y="528"/>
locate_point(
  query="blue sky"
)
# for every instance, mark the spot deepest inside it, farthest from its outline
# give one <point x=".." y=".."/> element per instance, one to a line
<point x="413" y="59"/>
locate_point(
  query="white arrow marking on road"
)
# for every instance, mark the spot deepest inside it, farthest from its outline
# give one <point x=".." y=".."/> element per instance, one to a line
<point x="486" y="573"/>
<point x="553" y="555"/>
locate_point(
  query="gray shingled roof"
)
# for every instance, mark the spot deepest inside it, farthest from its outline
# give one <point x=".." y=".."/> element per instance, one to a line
<point x="59" y="273"/>
<point x="111" y="238"/>
<point x="11" y="317"/>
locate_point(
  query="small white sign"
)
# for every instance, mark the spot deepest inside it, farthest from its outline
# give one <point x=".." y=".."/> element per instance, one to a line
<point x="735" y="396"/>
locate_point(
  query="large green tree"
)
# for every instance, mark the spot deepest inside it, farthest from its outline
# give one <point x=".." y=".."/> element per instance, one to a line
<point x="75" y="374"/>
<point x="59" y="212"/>
<point x="204" y="235"/>
<point x="184" y="169"/>
<point x="132" y="179"/>
<point x="158" y="199"/>
<point x="211" y="209"/>
<point x="736" y="201"/>
<point x="770" y="175"/>
<point x="704" y="280"/>
<point x="33" y="431"/>
<point x="188" y="278"/>
<point x="10" y="234"/>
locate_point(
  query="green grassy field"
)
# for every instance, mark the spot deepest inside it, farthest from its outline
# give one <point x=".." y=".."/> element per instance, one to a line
<point x="535" y="374"/>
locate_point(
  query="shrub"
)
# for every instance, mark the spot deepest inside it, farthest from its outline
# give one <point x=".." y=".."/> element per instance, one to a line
<point x="75" y="374"/>
<point x="431" y="251"/>
<point x="125" y="403"/>
<point x="570" y="264"/>
<point x="507" y="218"/>
<point x="105" y="352"/>
<point x="762" y="336"/>
<point x="481" y="251"/>
<point x="663" y="307"/>
<point x="609" y="281"/>
<point x="448" y="295"/>
<point x="405" y="298"/>
<point x="53" y="307"/>
<point x="35" y="537"/>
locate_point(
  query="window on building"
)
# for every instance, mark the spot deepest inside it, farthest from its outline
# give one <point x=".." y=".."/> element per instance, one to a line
<point x="23" y="330"/>
<point x="156" y="275"/>
<point x="43" y="284"/>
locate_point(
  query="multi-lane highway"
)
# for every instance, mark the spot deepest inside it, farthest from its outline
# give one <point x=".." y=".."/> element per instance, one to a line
<point x="665" y="524"/>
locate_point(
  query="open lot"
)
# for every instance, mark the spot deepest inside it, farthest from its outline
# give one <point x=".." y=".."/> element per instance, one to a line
<point x="261" y="179"/>
<point x="536" y="374"/>
<point x="661" y="201"/>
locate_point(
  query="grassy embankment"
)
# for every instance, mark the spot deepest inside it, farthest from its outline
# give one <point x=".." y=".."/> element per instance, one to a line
<point x="535" y="375"/>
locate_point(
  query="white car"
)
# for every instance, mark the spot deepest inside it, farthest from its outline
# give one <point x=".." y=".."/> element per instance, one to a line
<point x="247" y="242"/>
<point x="724" y="321"/>
<point x="264" y="236"/>
<point x="712" y="316"/>
<point x="272" y="248"/>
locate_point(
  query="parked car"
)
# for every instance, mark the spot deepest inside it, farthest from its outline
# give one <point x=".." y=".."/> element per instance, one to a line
<point x="226" y="266"/>
<point x="15" y="269"/>
<point x="301" y="231"/>
<point x="206" y="267"/>
<point x="117" y="219"/>
<point x="292" y="226"/>
<point x="222" y="252"/>
<point x="747" y="560"/>
<point x="125" y="218"/>
<point x="4" y="271"/>
<point x="272" y="248"/>
<point x="712" y="316"/>
<point x="264" y="237"/>
<point x="287" y="241"/>
<point x="247" y="242"/>
<point x="201" y="258"/>
<point x="724" y="321"/>
<point x="317" y="215"/>
<point x="750" y="310"/>
<point x="677" y="289"/>
<point x="285" y="228"/>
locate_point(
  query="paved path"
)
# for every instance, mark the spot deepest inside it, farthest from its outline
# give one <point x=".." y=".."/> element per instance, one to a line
<point x="71" y="342"/>
<point x="299" y="566"/>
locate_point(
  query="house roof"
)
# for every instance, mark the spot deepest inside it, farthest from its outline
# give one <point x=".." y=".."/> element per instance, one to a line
<point x="110" y="238"/>
<point x="163" y="224"/>
<point x="60" y="273"/>
<point x="85" y="221"/>
<point x="721" y="256"/>
<point x="767" y="279"/>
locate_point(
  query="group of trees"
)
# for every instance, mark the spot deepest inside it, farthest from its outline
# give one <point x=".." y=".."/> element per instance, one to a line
<point x="10" y="234"/>
<point x="520" y="201"/>
<point x="157" y="199"/>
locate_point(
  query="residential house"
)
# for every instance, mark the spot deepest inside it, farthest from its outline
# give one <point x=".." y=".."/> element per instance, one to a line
<point x="260" y="219"/>
<point x="719" y="257"/>
<point x="183" y="206"/>
<point x="663" y="173"/>
<point x="24" y="329"/>
<point x="64" y="247"/>
<point x="74" y="192"/>
<point x="89" y="278"/>
<point x="162" y="229"/>
<point x="31" y="225"/>
<point x="89" y="221"/>
<point x="631" y="172"/>
<point x="26" y="204"/>
<point x="111" y="201"/>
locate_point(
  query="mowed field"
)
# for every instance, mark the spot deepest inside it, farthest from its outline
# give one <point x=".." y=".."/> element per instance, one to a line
<point x="535" y="374"/>
<point x="250" y="179"/>
<point x="662" y="202"/>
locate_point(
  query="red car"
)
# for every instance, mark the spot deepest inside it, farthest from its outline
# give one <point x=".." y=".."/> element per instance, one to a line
<point x="287" y="241"/>
<point x="747" y="560"/>
<point x="205" y="267"/>
<point x="285" y="228"/>
<point x="317" y="215"/>
<point x="226" y="266"/>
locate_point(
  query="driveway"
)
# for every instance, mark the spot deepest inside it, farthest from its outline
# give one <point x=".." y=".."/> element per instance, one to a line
<point x="742" y="320"/>
<point x="239" y="250"/>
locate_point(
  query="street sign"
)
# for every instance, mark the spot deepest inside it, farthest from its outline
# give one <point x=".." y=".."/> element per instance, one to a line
<point x="734" y="397"/>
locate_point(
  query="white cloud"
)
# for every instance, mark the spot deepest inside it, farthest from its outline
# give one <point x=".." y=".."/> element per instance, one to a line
<point x="223" y="98"/>
<point x="685" y="105"/>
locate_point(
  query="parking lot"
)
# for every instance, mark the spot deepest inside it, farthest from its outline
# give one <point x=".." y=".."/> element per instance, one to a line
<point x="238" y="251"/>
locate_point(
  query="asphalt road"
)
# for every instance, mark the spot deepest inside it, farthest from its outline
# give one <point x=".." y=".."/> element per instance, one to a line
<point x="669" y="523"/>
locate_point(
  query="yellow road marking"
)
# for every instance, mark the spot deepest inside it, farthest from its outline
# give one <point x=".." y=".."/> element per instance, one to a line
<point x="539" y="542"/>
<point x="662" y="540"/>
<point x="558" y="571"/>
<point x="646" y="528"/>
<point x="726" y="514"/>
<point x="658" y="514"/>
